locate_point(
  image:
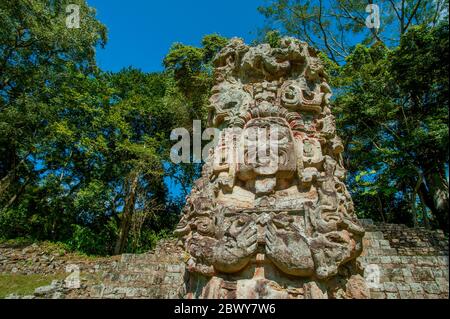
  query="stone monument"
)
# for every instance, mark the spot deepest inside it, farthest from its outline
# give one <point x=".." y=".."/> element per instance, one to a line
<point x="270" y="216"/>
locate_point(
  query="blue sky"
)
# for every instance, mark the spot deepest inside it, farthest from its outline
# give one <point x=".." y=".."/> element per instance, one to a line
<point x="140" y="32"/>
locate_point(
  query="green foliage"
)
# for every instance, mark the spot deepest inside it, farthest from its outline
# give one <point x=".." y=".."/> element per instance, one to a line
<point x="391" y="87"/>
<point x="393" y="116"/>
<point x="336" y="26"/>
<point x="189" y="70"/>
<point x="85" y="240"/>
<point x="191" y="67"/>
<point x="73" y="139"/>
<point x="148" y="240"/>
<point x="273" y="38"/>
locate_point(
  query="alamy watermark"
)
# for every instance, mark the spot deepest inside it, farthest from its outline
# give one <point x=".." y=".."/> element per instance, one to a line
<point x="73" y="280"/>
<point x="372" y="276"/>
<point x="249" y="145"/>
<point x="73" y="18"/>
<point x="373" y="19"/>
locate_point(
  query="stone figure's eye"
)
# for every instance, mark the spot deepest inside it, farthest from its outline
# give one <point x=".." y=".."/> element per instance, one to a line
<point x="240" y="222"/>
<point x="230" y="105"/>
<point x="308" y="95"/>
<point x="289" y="95"/>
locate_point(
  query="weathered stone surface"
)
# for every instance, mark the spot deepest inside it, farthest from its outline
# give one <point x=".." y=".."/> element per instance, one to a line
<point x="414" y="265"/>
<point x="44" y="290"/>
<point x="142" y="276"/>
<point x="271" y="207"/>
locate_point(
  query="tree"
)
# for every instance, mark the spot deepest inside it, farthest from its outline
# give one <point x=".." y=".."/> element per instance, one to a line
<point x="336" y="26"/>
<point x="420" y="67"/>
<point x="36" y="49"/>
<point x="391" y="98"/>
<point x="81" y="151"/>
<point x="141" y="143"/>
<point x="190" y="68"/>
<point x="393" y="117"/>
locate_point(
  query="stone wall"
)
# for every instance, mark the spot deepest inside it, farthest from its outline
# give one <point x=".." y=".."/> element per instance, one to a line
<point x="159" y="274"/>
<point x="412" y="263"/>
<point x="46" y="259"/>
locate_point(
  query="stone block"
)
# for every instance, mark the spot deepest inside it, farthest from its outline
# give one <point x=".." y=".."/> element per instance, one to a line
<point x="431" y="288"/>
<point x="396" y="273"/>
<point x="416" y="288"/>
<point x="45" y="290"/>
<point x="403" y="287"/>
<point x="443" y="285"/>
<point x="426" y="261"/>
<point x="384" y="243"/>
<point x="366" y="222"/>
<point x="442" y="260"/>
<point x="405" y="260"/>
<point x="406" y="294"/>
<point x="409" y="280"/>
<point x="423" y="274"/>
<point x="406" y="272"/>
<point x="373" y="260"/>
<point x="392" y="295"/>
<point x="374" y="244"/>
<point x="390" y="287"/>
<point x="376" y="235"/>
<point x="377" y="295"/>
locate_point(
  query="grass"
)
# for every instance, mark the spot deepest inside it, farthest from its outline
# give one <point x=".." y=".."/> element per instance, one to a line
<point x="19" y="284"/>
<point x="24" y="284"/>
<point x="19" y="242"/>
<point x="48" y="247"/>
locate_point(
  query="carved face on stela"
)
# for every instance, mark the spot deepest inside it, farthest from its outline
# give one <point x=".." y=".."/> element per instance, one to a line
<point x="274" y="182"/>
<point x="263" y="156"/>
<point x="264" y="151"/>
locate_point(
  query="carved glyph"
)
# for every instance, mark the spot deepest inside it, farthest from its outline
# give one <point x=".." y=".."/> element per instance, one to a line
<point x="282" y="201"/>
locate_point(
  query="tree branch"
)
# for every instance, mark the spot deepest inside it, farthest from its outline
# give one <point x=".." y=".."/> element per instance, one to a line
<point x="412" y="15"/>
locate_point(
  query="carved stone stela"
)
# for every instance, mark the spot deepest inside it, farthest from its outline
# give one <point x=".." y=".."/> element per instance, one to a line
<point x="252" y="229"/>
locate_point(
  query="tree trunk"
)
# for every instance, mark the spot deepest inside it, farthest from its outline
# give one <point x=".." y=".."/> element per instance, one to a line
<point x="6" y="180"/>
<point x="381" y="209"/>
<point x="438" y="190"/>
<point x="127" y="214"/>
<point x="414" y="210"/>
<point x="423" y="207"/>
<point x="435" y="197"/>
<point x="17" y="194"/>
<point x="414" y="200"/>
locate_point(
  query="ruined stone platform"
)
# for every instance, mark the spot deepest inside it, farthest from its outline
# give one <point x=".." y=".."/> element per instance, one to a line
<point x="412" y="263"/>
